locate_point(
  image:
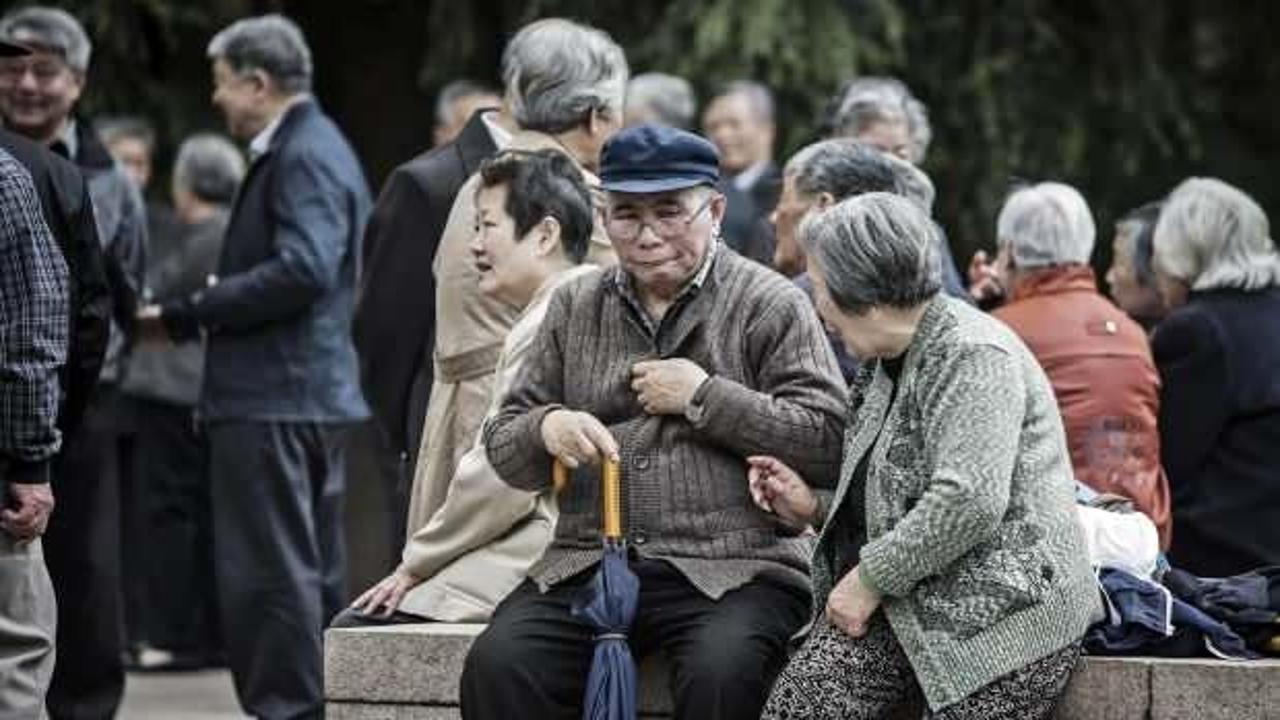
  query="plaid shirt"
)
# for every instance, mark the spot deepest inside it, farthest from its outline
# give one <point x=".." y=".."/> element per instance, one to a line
<point x="34" y="326"/>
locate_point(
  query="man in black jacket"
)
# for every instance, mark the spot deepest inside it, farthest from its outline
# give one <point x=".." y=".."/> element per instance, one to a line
<point x="68" y="211"/>
<point x="38" y="95"/>
<point x="395" y="317"/>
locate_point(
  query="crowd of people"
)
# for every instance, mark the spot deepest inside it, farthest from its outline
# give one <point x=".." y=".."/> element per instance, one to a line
<point x="853" y="475"/>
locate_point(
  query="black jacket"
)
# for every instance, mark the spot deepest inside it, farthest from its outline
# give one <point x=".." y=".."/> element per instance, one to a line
<point x="396" y="315"/>
<point x="64" y="200"/>
<point x="746" y="226"/>
<point x="1219" y="362"/>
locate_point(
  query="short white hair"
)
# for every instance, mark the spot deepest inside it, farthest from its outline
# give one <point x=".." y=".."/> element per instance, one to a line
<point x="865" y="101"/>
<point x="1211" y="235"/>
<point x="668" y="98"/>
<point x="557" y="72"/>
<point x="1046" y="224"/>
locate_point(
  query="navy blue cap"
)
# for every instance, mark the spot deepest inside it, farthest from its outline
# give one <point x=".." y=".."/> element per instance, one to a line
<point x="13" y="49"/>
<point x="657" y="158"/>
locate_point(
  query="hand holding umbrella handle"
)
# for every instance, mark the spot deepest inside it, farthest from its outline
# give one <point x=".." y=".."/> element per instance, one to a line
<point x="610" y="492"/>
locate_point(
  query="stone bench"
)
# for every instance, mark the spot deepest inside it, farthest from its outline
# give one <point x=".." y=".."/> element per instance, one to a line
<point x="411" y="672"/>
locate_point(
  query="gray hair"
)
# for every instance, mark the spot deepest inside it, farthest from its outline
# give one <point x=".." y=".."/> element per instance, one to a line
<point x="116" y="128"/>
<point x="455" y="91"/>
<point x="668" y="98"/>
<point x="842" y="167"/>
<point x="557" y="72"/>
<point x="210" y="167"/>
<point x="913" y="183"/>
<point x="877" y="249"/>
<point x="1046" y="224"/>
<point x="1139" y="226"/>
<point x="1212" y="235"/>
<point x="270" y="43"/>
<point x="758" y="97"/>
<point x="866" y="101"/>
<point x="52" y="30"/>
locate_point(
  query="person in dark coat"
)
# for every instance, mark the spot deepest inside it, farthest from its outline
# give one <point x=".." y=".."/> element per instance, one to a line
<point x="1217" y="351"/>
<point x="740" y="121"/>
<point x="175" y="574"/>
<point x="395" y="316"/>
<point x="281" y="383"/>
<point x="38" y="96"/>
<point x="68" y="211"/>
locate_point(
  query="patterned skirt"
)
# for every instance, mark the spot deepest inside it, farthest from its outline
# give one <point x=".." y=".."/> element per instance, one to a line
<point x="837" y="677"/>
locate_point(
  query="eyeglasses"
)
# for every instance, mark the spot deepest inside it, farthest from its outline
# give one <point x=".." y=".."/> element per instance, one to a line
<point x="45" y="71"/>
<point x="665" y="223"/>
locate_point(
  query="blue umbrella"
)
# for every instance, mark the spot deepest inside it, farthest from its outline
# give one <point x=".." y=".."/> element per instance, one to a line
<point x="608" y="605"/>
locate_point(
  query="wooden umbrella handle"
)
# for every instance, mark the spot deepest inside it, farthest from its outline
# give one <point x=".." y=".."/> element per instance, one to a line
<point x="610" y="493"/>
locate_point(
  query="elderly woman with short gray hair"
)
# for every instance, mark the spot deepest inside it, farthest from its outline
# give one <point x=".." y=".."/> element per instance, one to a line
<point x="949" y="557"/>
<point x="1097" y="358"/>
<point x="1218" y="350"/>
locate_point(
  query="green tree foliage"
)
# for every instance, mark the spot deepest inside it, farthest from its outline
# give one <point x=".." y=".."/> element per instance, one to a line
<point x="1119" y="97"/>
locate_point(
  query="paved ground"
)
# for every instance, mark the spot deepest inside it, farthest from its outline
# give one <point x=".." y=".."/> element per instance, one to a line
<point x="205" y="695"/>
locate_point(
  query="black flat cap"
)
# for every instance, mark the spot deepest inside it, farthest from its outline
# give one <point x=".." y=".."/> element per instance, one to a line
<point x="656" y="158"/>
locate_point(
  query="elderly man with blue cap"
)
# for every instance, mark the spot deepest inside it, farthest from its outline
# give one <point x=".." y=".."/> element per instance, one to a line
<point x="679" y="364"/>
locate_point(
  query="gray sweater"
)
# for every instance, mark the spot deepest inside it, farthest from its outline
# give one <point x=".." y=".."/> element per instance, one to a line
<point x="774" y="389"/>
<point x="970" y="528"/>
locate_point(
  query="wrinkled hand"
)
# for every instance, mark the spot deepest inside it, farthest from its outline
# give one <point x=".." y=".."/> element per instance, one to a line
<point x="577" y="438"/>
<point x="666" y="387"/>
<point x="387" y="594"/>
<point x="28" y="514"/>
<point x="851" y="604"/>
<point x="984" y="281"/>
<point x="778" y="489"/>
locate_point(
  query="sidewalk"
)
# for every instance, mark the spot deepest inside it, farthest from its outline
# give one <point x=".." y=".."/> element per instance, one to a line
<point x="205" y="695"/>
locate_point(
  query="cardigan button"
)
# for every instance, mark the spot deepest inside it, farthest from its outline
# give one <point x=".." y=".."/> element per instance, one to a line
<point x="639" y="537"/>
<point x="642" y="463"/>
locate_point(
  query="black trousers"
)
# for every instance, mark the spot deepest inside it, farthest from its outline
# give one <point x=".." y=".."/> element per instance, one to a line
<point x="82" y="551"/>
<point x="278" y="551"/>
<point x="172" y="482"/>
<point x="533" y="659"/>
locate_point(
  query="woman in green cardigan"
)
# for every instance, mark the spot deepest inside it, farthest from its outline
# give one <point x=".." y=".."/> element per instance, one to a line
<point x="949" y="559"/>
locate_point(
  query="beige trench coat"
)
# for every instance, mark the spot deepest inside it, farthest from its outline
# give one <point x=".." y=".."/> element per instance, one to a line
<point x="470" y="329"/>
<point x="483" y="538"/>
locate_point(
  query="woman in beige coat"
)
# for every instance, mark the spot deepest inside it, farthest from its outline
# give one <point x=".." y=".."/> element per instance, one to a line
<point x="534" y="222"/>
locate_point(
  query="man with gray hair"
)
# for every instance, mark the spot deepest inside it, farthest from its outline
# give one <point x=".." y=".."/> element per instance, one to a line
<point x="455" y="105"/>
<point x="280" y="384"/>
<point x="740" y="120"/>
<point x="170" y="478"/>
<point x="661" y="98"/>
<point x="38" y="97"/>
<point x="1097" y="358"/>
<point x="565" y="85"/>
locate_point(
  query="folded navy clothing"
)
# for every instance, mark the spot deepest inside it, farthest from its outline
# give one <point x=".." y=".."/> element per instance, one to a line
<point x="1251" y="598"/>
<point x="1144" y="618"/>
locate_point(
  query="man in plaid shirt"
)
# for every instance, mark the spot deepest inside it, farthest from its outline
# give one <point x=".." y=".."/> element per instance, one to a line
<point x="34" y="327"/>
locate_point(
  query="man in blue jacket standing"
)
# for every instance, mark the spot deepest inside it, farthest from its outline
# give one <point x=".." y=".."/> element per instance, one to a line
<point x="281" y="380"/>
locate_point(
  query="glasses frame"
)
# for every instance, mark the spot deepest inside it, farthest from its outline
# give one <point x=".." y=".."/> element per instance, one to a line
<point x="642" y="223"/>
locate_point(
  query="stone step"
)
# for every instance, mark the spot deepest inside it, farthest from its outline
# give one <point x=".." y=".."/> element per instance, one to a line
<point x="411" y="672"/>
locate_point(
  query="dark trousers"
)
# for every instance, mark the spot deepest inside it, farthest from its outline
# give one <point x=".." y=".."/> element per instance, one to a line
<point x="278" y="547"/>
<point x="171" y="480"/>
<point x="533" y="659"/>
<point x="82" y="550"/>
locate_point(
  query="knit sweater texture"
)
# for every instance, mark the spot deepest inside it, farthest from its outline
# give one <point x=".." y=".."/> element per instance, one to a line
<point x="970" y="530"/>
<point x="774" y="389"/>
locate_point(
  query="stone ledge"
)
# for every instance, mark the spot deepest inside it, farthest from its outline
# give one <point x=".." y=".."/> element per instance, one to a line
<point x="411" y="672"/>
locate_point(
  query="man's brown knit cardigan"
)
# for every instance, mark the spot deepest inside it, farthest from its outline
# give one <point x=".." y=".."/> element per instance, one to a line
<point x="774" y="389"/>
